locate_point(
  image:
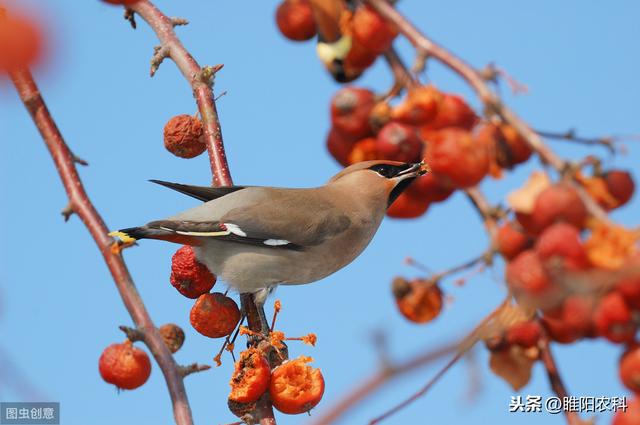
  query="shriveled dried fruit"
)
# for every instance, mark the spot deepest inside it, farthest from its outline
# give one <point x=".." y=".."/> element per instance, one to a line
<point x="183" y="136"/>
<point x="251" y="376"/>
<point x="214" y="315"/>
<point x="190" y="277"/>
<point x="419" y="301"/>
<point x="296" y="387"/>
<point x="124" y="366"/>
<point x="172" y="335"/>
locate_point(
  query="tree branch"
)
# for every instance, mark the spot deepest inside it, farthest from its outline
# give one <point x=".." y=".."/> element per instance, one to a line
<point x="200" y="80"/>
<point x="492" y="102"/>
<point x="80" y="204"/>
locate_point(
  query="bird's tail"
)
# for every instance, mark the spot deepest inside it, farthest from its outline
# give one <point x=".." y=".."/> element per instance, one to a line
<point x="132" y="234"/>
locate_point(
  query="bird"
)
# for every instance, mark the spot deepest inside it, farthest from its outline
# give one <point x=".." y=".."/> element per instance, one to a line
<point x="256" y="237"/>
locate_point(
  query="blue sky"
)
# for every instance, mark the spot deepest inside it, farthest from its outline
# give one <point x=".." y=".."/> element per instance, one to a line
<point x="59" y="307"/>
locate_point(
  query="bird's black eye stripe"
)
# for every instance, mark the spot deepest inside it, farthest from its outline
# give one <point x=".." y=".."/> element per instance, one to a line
<point x="387" y="170"/>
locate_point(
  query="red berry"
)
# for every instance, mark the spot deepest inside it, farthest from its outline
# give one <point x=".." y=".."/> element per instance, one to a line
<point x="251" y="377"/>
<point x="452" y="153"/>
<point x="630" y="369"/>
<point x="371" y="30"/>
<point x="525" y="334"/>
<point x="357" y="60"/>
<point x="613" y="319"/>
<point x="571" y="320"/>
<point x="124" y="366"/>
<point x="399" y="142"/>
<point x="296" y="387"/>
<point x="295" y="20"/>
<point x="214" y="315"/>
<point x="190" y="277"/>
<point x="529" y="281"/>
<point x="408" y="205"/>
<point x="350" y="109"/>
<point x="430" y="188"/>
<point x="183" y="136"/>
<point x="340" y="146"/>
<point x="559" y="202"/>
<point x="620" y="185"/>
<point x="560" y="245"/>
<point x="629" y="288"/>
<point x="172" y="335"/>
<point x="512" y="240"/>
<point x="452" y="111"/>
<point x="20" y="42"/>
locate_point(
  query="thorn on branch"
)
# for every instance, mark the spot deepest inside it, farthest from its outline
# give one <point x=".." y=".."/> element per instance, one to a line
<point x="192" y="368"/>
<point x="133" y="334"/>
<point x="179" y="21"/>
<point x="67" y="212"/>
<point x="207" y="74"/>
<point x="129" y="15"/>
<point x="159" y="54"/>
<point x="79" y="160"/>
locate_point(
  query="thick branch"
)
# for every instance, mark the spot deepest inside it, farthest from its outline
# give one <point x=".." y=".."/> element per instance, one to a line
<point x="80" y="204"/>
<point x="491" y="101"/>
<point x="201" y="81"/>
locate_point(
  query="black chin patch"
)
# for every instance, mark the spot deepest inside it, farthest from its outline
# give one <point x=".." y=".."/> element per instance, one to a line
<point x="400" y="187"/>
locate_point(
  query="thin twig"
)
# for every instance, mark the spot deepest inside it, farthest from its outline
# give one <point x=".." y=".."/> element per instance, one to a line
<point x="608" y="142"/>
<point x="79" y="202"/>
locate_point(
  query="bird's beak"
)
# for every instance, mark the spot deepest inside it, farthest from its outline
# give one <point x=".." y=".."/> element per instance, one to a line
<point x="413" y="170"/>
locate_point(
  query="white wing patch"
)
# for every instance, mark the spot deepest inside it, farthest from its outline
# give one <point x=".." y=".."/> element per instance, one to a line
<point x="276" y="242"/>
<point x="235" y="229"/>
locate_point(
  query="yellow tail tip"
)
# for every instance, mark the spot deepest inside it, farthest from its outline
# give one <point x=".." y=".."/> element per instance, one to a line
<point x="122" y="236"/>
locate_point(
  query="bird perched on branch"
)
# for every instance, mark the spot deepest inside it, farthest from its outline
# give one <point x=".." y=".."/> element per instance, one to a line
<point x="255" y="238"/>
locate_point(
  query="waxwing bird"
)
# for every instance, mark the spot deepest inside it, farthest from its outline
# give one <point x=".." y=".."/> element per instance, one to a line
<point x="255" y="238"/>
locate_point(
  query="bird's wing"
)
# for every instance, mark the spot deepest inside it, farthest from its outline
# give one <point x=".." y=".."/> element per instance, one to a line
<point x="202" y="193"/>
<point x="274" y="218"/>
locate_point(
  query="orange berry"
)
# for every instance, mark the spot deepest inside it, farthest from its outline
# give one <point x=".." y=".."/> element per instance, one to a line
<point x="183" y="136"/>
<point x="364" y="150"/>
<point x="525" y="334"/>
<point x="296" y="387"/>
<point x="418" y="300"/>
<point x="629" y="417"/>
<point x="190" y="277"/>
<point x="452" y="111"/>
<point x="214" y="315"/>
<point x="452" y="153"/>
<point x="21" y="42"/>
<point x="512" y="240"/>
<point x="506" y="143"/>
<point x="357" y="60"/>
<point x="371" y="30"/>
<point x="124" y="366"/>
<point x="419" y="107"/>
<point x="295" y="20"/>
<point x="340" y="146"/>
<point x="430" y="188"/>
<point x="250" y="377"/>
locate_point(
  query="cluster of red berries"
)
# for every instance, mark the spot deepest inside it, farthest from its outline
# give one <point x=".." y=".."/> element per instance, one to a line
<point x="439" y="127"/>
<point x="368" y="33"/>
<point x="293" y="386"/>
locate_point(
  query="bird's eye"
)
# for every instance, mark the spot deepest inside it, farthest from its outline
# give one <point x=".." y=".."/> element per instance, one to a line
<point x="383" y="169"/>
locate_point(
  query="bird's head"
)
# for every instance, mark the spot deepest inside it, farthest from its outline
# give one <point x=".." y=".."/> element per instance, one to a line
<point x="381" y="178"/>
